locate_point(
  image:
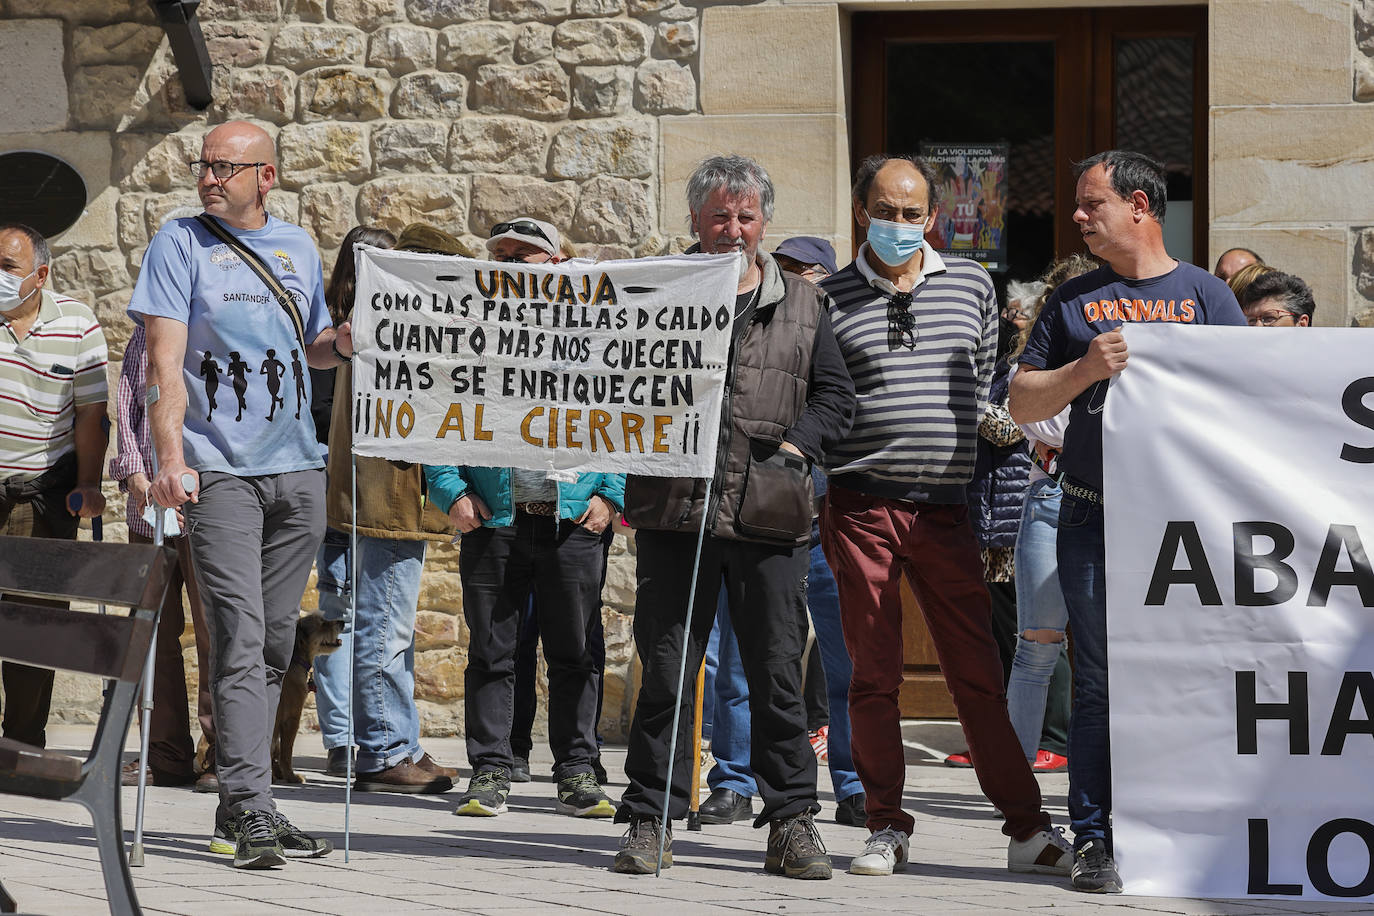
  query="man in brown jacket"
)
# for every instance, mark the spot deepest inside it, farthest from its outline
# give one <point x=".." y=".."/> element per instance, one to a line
<point x="394" y="523"/>
<point x="788" y="399"/>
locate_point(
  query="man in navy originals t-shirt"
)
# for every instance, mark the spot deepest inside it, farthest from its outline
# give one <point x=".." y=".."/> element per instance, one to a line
<point x="1075" y="349"/>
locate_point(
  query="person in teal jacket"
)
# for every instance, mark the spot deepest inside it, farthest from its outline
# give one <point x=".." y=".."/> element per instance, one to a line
<point x="523" y="531"/>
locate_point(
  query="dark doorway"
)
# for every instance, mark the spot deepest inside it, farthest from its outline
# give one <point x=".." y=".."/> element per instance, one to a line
<point x="1055" y="85"/>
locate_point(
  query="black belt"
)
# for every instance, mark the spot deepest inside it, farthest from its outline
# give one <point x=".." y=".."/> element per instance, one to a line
<point x="1080" y="490"/>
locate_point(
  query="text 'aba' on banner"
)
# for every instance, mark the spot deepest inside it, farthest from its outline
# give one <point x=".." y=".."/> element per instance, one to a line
<point x="1239" y="500"/>
<point x="612" y="367"/>
<point x="970" y="200"/>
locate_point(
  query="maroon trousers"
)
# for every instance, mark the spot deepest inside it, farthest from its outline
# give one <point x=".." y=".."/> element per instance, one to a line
<point x="169" y="738"/>
<point x="870" y="543"/>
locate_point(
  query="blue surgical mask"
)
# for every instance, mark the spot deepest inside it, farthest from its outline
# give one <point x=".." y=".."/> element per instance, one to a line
<point x="895" y="243"/>
<point x="9" y="291"/>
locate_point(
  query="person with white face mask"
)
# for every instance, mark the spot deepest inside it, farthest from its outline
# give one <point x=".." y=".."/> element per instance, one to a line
<point x="52" y="434"/>
<point x="919" y="333"/>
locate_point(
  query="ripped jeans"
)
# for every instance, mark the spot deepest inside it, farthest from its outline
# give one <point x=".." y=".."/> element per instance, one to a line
<point x="1039" y="606"/>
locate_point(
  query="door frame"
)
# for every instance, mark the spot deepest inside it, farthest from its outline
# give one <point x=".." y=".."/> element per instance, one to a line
<point x="1084" y="43"/>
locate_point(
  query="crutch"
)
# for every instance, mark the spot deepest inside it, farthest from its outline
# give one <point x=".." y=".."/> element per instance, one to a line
<point x="145" y="703"/>
<point x="682" y="680"/>
<point x="694" y="807"/>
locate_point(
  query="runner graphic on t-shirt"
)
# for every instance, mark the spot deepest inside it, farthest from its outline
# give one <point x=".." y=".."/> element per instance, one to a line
<point x="238" y="371"/>
<point x="298" y="373"/>
<point x="210" y="371"/>
<point x="274" y="369"/>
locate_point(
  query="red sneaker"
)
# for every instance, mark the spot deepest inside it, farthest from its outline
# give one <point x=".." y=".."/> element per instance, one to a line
<point x="961" y="760"/>
<point x="1049" y="762"/>
<point x="820" y="743"/>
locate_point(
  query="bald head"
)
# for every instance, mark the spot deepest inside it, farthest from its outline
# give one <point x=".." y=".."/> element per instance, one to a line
<point x="1233" y="259"/>
<point x="240" y="141"/>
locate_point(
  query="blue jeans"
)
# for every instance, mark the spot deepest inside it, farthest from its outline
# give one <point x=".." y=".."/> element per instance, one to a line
<point x="1082" y="575"/>
<point x="386" y="724"/>
<point x="730" y="715"/>
<point x="1039" y="606"/>
<point x="331" y="671"/>
<point x="823" y="601"/>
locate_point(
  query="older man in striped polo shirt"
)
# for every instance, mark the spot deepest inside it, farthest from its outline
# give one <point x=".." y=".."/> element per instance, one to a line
<point x="919" y="334"/>
<point x="52" y="435"/>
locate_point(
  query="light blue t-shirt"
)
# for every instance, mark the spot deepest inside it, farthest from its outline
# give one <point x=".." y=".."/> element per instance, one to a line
<point x="247" y="384"/>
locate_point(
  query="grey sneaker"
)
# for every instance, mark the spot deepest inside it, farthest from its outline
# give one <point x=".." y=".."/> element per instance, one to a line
<point x="639" y="847"/>
<point x="582" y="796"/>
<point x="1094" y="869"/>
<point x="255" y="841"/>
<point x="296" y="844"/>
<point x="1046" y="852"/>
<point x="486" y="794"/>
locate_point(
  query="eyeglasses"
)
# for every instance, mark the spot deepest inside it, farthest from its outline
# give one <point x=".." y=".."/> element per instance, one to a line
<point x="1269" y="319"/>
<point x="221" y="169"/>
<point x="901" y="324"/>
<point x="521" y="226"/>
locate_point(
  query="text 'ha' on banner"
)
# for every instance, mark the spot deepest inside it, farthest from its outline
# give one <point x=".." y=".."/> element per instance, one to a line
<point x="1239" y="500"/>
<point x="616" y="366"/>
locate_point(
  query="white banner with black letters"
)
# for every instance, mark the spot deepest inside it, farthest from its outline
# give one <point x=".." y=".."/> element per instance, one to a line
<point x="613" y="367"/>
<point x="1239" y="494"/>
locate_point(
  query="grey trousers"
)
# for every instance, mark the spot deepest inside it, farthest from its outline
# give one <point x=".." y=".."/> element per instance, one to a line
<point x="253" y="540"/>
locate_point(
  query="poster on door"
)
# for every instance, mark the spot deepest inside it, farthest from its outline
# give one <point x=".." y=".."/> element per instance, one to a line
<point x="970" y="198"/>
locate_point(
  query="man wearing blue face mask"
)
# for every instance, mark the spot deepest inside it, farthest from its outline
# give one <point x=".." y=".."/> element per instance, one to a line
<point x="919" y="334"/>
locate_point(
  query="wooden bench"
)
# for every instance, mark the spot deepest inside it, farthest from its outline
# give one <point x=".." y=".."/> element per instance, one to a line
<point x="112" y="646"/>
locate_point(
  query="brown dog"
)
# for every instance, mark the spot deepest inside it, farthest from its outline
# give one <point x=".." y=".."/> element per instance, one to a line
<point x="314" y="636"/>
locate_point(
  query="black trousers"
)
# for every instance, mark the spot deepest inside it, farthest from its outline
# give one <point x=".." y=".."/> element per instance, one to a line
<point x="527" y="668"/>
<point x="561" y="562"/>
<point x="42" y="513"/>
<point x="766" y="586"/>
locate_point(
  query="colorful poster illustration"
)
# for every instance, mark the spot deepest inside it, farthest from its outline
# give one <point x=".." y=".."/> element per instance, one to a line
<point x="971" y="199"/>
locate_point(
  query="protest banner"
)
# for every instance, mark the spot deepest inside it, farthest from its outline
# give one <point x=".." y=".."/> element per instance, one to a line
<point x="1239" y="593"/>
<point x="616" y="366"/>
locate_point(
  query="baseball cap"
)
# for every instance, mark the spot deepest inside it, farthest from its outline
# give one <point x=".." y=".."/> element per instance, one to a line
<point x="526" y="229"/>
<point x="807" y="249"/>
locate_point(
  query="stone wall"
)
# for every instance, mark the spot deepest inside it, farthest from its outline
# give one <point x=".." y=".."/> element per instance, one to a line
<point x="455" y="112"/>
<point x="1292" y="144"/>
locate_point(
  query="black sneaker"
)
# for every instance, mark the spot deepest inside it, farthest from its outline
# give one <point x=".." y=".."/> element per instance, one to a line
<point x="639" y="847"/>
<point x="795" y="849"/>
<point x="255" y="841"/>
<point x="223" y="839"/>
<point x="852" y="811"/>
<point x="298" y="845"/>
<point x="1094" y="870"/>
<point x="582" y="796"/>
<point x="520" y="770"/>
<point x="486" y="794"/>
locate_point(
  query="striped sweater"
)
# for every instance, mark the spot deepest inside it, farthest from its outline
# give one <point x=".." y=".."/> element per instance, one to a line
<point x="916" y="427"/>
<point x="58" y="367"/>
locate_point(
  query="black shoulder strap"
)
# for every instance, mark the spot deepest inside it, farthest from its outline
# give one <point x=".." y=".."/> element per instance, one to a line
<point x="264" y="273"/>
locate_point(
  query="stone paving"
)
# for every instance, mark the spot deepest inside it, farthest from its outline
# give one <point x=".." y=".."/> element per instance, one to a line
<point x="411" y="855"/>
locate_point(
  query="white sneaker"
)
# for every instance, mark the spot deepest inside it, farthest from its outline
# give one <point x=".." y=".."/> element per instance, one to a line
<point x="885" y="851"/>
<point x="1045" y="853"/>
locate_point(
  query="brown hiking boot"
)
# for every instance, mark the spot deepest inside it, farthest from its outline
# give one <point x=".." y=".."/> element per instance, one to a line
<point x="406" y="778"/>
<point x="795" y="849"/>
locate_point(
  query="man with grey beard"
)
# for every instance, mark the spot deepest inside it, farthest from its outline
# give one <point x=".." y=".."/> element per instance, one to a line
<point x="788" y="398"/>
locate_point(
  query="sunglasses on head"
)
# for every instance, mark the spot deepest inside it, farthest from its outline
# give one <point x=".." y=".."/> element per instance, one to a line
<point x="522" y="227"/>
